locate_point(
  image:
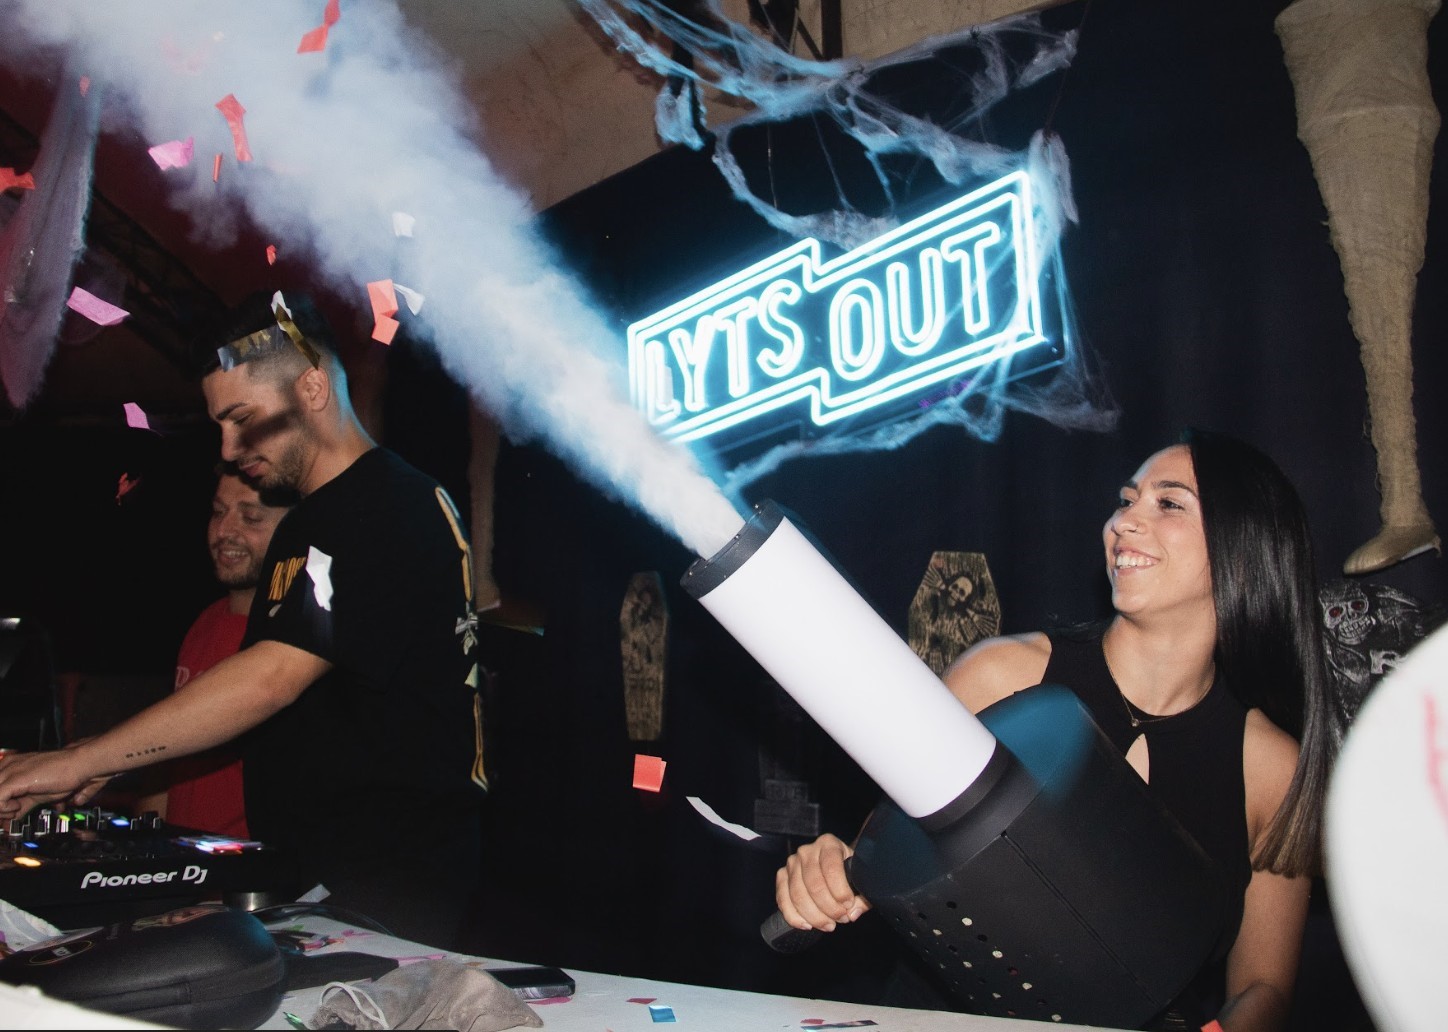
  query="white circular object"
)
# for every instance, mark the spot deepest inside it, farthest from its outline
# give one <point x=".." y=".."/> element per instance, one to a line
<point x="1387" y="843"/>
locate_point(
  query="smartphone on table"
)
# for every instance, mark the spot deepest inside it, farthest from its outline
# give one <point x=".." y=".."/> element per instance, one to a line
<point x="534" y="982"/>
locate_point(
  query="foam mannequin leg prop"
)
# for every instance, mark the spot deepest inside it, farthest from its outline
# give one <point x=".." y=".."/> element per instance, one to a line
<point x="1365" y="113"/>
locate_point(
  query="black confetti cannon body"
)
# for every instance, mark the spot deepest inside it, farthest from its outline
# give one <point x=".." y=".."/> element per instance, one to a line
<point x="1018" y="853"/>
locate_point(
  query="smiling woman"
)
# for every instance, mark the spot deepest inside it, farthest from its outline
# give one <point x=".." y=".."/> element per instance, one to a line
<point x="1156" y="547"/>
<point x="1205" y="679"/>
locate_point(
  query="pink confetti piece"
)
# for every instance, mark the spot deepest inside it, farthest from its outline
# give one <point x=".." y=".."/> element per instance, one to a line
<point x="385" y="328"/>
<point x="648" y="772"/>
<point x="102" y="313"/>
<point x="1436" y="757"/>
<point x="316" y="40"/>
<point x="136" y="416"/>
<point x="10" y="181"/>
<point x="383" y="297"/>
<point x="313" y="42"/>
<point x="320" y="943"/>
<point x="384" y="307"/>
<point x="175" y="154"/>
<point x="271" y="254"/>
<point x="232" y="111"/>
<point x="812" y="1021"/>
<point x="84" y="85"/>
<point x="216" y="169"/>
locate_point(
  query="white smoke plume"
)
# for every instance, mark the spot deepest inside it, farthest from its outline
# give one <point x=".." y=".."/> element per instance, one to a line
<point x="341" y="140"/>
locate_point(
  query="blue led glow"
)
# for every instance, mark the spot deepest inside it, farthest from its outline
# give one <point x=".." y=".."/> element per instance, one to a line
<point x="949" y="292"/>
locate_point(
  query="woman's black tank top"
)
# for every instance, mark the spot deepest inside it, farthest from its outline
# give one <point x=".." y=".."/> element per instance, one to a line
<point x="1195" y="764"/>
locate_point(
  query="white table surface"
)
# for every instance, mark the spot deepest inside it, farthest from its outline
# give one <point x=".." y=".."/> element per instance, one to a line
<point x="601" y="1001"/>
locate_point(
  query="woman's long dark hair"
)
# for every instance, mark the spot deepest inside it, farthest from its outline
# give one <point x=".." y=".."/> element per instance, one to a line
<point x="1269" y="651"/>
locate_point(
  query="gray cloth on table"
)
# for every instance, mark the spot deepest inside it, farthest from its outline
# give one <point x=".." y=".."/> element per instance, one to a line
<point x="428" y="994"/>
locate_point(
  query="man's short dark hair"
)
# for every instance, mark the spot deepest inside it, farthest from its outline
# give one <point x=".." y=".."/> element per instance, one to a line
<point x="252" y="332"/>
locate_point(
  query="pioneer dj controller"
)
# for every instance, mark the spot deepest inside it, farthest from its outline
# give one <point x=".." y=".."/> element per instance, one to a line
<point x="93" y="866"/>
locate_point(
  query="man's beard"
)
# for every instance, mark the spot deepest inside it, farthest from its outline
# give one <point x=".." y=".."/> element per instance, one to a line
<point x="246" y="578"/>
<point x="285" y="474"/>
<point x="285" y="471"/>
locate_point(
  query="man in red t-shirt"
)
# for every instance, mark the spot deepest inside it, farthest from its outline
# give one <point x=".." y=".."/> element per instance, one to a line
<point x="205" y="790"/>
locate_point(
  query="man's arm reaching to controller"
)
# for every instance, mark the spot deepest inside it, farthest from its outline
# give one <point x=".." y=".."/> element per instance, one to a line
<point x="230" y="698"/>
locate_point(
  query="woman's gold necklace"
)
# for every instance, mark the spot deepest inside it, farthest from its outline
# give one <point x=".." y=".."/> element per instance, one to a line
<point x="1131" y="712"/>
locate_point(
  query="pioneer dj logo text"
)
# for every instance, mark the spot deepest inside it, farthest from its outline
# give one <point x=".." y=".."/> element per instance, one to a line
<point x="195" y="874"/>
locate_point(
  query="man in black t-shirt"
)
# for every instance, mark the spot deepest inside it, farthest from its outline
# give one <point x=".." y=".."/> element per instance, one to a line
<point x="357" y="684"/>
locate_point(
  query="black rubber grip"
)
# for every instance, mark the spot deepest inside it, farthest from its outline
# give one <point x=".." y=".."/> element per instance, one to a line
<point x="783" y="937"/>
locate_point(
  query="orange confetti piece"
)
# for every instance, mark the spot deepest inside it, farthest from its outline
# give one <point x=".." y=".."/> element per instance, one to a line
<point x="385" y="328"/>
<point x="384" y="307"/>
<point x="216" y="169"/>
<point x="84" y="85"/>
<point x="232" y="111"/>
<point x="271" y="254"/>
<point x="383" y="297"/>
<point x="648" y="772"/>
<point x="10" y="181"/>
<point x="125" y="486"/>
<point x="316" y="40"/>
<point x="313" y="42"/>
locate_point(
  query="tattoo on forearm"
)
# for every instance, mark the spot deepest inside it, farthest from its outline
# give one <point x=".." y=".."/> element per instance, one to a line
<point x="146" y="752"/>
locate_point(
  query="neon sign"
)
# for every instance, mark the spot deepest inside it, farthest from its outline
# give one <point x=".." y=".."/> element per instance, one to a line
<point x="947" y="293"/>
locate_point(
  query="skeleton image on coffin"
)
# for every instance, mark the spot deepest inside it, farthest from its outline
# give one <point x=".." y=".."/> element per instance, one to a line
<point x="954" y="607"/>
<point x="1368" y="629"/>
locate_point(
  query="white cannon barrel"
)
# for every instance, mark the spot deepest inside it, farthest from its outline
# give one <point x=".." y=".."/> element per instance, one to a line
<point x="793" y="611"/>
